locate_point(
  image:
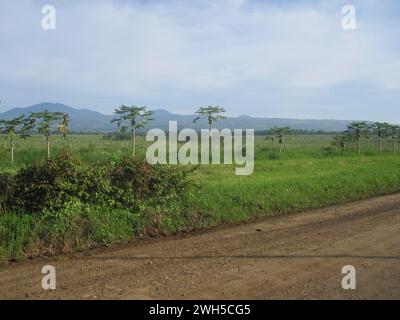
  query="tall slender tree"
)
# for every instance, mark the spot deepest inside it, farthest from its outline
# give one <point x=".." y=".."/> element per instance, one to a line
<point x="357" y="131"/>
<point x="135" y="117"/>
<point x="10" y="128"/>
<point x="341" y="141"/>
<point x="43" y="122"/>
<point x="279" y="133"/>
<point x="394" y="134"/>
<point x="212" y="114"/>
<point x="63" y="127"/>
<point x="381" y="130"/>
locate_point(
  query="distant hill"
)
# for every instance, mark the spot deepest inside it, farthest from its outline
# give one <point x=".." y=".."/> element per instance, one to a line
<point x="81" y="119"/>
<point x="84" y="120"/>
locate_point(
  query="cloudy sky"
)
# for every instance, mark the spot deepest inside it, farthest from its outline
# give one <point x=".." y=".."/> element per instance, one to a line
<point x="262" y="58"/>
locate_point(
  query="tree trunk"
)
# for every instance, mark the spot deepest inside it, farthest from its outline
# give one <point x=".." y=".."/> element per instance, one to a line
<point x="48" y="147"/>
<point x="133" y="142"/>
<point x="394" y="145"/>
<point x="358" y="147"/>
<point x="280" y="147"/>
<point x="380" y="144"/>
<point x="12" y="155"/>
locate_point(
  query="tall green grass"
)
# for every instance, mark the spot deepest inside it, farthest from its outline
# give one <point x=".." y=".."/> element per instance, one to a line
<point x="308" y="174"/>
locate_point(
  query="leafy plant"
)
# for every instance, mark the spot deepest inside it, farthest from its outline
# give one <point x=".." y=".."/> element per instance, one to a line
<point x="381" y="130"/>
<point x="10" y="127"/>
<point x="279" y="133"/>
<point x="393" y="132"/>
<point x="212" y="114"/>
<point x="48" y="184"/>
<point x="43" y="121"/>
<point x="137" y="180"/>
<point x="341" y="141"/>
<point x="6" y="190"/>
<point x="63" y="127"/>
<point x="136" y="117"/>
<point x="358" y="130"/>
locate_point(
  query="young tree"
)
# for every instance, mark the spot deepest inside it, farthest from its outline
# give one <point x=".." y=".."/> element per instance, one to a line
<point x="394" y="133"/>
<point x="279" y="133"/>
<point x="43" y="122"/>
<point x="136" y="117"/>
<point x="381" y="130"/>
<point x="63" y="127"/>
<point x="213" y="114"/>
<point x="357" y="131"/>
<point x="341" y="141"/>
<point x="10" y="129"/>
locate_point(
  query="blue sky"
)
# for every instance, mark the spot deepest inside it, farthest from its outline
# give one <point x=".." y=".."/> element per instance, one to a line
<point x="264" y="58"/>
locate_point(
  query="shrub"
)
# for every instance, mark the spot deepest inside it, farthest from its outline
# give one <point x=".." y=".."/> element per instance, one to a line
<point x="136" y="179"/>
<point x="6" y="189"/>
<point x="124" y="183"/>
<point x="47" y="184"/>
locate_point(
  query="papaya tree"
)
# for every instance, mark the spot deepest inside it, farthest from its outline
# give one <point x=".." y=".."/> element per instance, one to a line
<point x="279" y="134"/>
<point x="63" y="127"/>
<point x="10" y="128"/>
<point x="43" y="122"/>
<point x="381" y="130"/>
<point x="212" y="114"/>
<point x="341" y="141"/>
<point x="394" y="134"/>
<point x="135" y="117"/>
<point x="358" y="130"/>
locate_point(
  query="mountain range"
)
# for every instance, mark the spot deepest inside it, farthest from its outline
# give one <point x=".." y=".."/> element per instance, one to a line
<point x="85" y="120"/>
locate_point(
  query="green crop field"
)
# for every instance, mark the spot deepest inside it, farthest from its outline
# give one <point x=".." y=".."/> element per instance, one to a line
<point x="308" y="174"/>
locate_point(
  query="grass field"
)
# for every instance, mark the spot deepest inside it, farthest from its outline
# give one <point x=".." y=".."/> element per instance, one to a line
<point x="308" y="174"/>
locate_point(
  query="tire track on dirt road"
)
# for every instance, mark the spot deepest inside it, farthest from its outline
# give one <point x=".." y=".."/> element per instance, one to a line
<point x="293" y="256"/>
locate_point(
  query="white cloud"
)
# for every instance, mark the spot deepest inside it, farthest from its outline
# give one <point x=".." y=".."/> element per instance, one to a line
<point x="108" y="52"/>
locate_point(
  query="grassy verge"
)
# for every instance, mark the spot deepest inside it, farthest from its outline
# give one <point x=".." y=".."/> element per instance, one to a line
<point x="278" y="186"/>
<point x="294" y="185"/>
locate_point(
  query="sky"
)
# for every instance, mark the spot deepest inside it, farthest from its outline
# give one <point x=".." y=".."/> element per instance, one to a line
<point x="290" y="59"/>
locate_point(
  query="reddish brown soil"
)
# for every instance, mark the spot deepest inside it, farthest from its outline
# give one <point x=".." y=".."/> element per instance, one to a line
<point x="290" y="257"/>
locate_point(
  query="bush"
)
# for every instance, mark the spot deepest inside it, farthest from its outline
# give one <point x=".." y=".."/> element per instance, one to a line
<point x="136" y="179"/>
<point x="6" y="190"/>
<point x="125" y="183"/>
<point x="46" y="185"/>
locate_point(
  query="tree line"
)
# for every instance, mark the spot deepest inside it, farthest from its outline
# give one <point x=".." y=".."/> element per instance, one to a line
<point x="42" y="122"/>
<point x="134" y="117"/>
<point x="127" y="117"/>
<point x="361" y="130"/>
<point x="356" y="132"/>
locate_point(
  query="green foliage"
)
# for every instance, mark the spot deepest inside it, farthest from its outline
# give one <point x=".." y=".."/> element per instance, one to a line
<point x="356" y="131"/>
<point x="10" y="128"/>
<point x="124" y="182"/>
<point x="212" y="114"/>
<point x="63" y="127"/>
<point x="46" y="184"/>
<point x="43" y="122"/>
<point x="136" y="117"/>
<point x="135" y="179"/>
<point x="278" y="134"/>
<point x="117" y="136"/>
<point x="108" y="205"/>
<point x="6" y="190"/>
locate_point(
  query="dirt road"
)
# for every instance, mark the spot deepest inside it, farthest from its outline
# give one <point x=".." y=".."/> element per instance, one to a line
<point x="295" y="256"/>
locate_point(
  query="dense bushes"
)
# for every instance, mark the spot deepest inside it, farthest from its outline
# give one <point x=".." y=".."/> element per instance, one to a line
<point x="6" y="189"/>
<point x="124" y="183"/>
<point x="60" y="205"/>
<point x="46" y="185"/>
